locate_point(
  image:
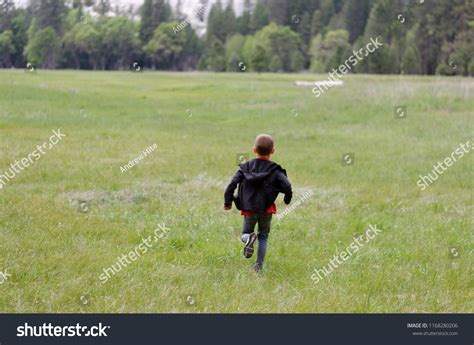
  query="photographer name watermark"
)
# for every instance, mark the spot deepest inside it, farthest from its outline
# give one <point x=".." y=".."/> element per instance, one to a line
<point x="184" y="23"/>
<point x="137" y="160"/>
<point x="303" y="198"/>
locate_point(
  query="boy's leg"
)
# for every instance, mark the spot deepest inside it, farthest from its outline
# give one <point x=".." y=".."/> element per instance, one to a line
<point x="248" y="235"/>
<point x="249" y="226"/>
<point x="264" y="222"/>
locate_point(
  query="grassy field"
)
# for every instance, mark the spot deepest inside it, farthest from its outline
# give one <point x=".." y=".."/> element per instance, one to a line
<point x="53" y="252"/>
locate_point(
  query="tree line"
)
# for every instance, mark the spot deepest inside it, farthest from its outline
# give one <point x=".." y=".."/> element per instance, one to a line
<point x="420" y="37"/>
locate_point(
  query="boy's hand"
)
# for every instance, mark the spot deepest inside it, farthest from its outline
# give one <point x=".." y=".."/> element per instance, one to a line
<point x="227" y="207"/>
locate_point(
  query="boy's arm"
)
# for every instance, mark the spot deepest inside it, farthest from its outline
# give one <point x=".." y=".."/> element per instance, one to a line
<point x="285" y="187"/>
<point x="229" y="191"/>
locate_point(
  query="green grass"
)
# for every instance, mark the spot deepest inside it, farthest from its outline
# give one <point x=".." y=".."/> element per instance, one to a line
<point x="55" y="254"/>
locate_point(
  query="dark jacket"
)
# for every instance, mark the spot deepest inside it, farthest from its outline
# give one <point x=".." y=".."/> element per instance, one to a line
<point x="259" y="183"/>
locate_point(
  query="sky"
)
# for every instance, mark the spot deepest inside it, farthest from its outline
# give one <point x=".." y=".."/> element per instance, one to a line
<point x="187" y="4"/>
<point x="189" y="8"/>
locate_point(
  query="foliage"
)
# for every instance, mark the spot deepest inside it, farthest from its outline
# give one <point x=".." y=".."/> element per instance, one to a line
<point x="7" y="48"/>
<point x="330" y="51"/>
<point x="153" y="13"/>
<point x="411" y="61"/>
<point x="277" y="35"/>
<point x="282" y="45"/>
<point x="233" y="52"/>
<point x="214" y="58"/>
<point x="259" y="59"/>
<point x="119" y="41"/>
<point x="43" y="48"/>
<point x="166" y="46"/>
<point x="444" y="69"/>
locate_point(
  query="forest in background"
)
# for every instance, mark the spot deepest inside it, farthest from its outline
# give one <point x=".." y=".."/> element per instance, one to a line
<point x="420" y="37"/>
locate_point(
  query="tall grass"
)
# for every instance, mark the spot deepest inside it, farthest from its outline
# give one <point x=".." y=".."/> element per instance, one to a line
<point x="55" y="251"/>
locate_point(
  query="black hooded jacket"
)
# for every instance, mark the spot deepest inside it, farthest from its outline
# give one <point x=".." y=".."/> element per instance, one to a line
<point x="259" y="183"/>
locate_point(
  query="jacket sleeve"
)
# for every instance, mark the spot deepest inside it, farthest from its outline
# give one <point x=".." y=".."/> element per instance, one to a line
<point x="229" y="191"/>
<point x="285" y="186"/>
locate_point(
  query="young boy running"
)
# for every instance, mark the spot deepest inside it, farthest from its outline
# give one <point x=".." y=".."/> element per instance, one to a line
<point x="260" y="181"/>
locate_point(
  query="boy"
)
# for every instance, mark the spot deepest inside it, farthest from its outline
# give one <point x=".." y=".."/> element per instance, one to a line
<point x="260" y="180"/>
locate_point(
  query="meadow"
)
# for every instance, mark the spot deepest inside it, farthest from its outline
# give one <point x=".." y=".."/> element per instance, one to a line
<point x="73" y="212"/>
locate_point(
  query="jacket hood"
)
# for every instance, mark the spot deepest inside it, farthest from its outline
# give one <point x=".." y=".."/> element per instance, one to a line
<point x="258" y="170"/>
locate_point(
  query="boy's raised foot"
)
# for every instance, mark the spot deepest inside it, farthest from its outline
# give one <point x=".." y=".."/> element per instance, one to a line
<point x="248" y="249"/>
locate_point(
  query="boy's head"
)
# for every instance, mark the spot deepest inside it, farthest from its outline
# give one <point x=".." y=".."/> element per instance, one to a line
<point x="264" y="145"/>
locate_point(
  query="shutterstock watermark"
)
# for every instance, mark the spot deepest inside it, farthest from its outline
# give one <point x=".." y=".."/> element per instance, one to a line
<point x="296" y="204"/>
<point x="357" y="243"/>
<point x="122" y="261"/>
<point x="25" y="162"/>
<point x="137" y="160"/>
<point x="347" y="66"/>
<point x="48" y="330"/>
<point x="458" y="153"/>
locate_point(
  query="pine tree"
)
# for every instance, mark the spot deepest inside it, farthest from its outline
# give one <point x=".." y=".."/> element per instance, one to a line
<point x="215" y="54"/>
<point x="278" y="10"/>
<point x="381" y="23"/>
<point x="103" y="7"/>
<point x="327" y="11"/>
<point x="230" y="24"/>
<point x="304" y="28"/>
<point x="356" y="13"/>
<point x="243" y="22"/>
<point x="258" y="60"/>
<point x="146" y="29"/>
<point x="440" y="24"/>
<point x="153" y="13"/>
<point x="7" y="8"/>
<point x="216" y="25"/>
<point x="19" y="26"/>
<point x="316" y="23"/>
<point x="50" y="13"/>
<point x="7" y="49"/>
<point x="260" y="17"/>
<point x="411" y="61"/>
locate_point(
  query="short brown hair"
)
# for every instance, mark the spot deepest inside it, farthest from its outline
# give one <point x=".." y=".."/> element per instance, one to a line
<point x="264" y="144"/>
